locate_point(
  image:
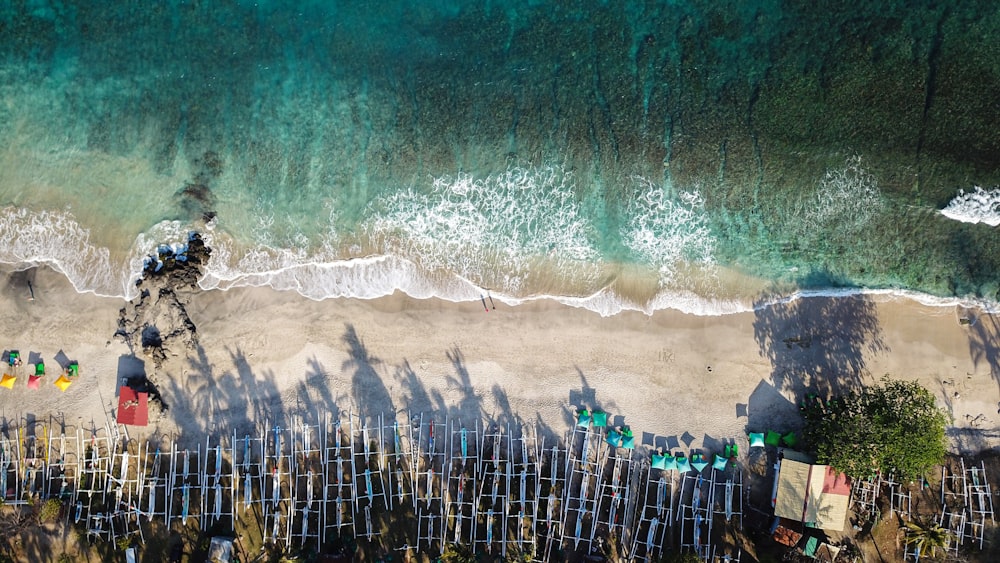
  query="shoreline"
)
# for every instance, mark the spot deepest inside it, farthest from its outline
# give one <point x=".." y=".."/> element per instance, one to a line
<point x="264" y="353"/>
<point x="607" y="289"/>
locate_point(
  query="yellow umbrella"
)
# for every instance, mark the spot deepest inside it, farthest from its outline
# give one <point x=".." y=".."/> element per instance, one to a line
<point x="8" y="381"/>
<point x="63" y="383"/>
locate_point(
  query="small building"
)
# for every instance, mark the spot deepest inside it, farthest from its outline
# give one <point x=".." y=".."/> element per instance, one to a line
<point x="816" y="495"/>
<point x="133" y="407"/>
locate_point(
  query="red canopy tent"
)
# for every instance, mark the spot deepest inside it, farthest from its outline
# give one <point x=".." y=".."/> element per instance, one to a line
<point x="133" y="407"/>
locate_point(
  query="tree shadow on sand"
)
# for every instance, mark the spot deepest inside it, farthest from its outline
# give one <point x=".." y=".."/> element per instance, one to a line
<point x="218" y="401"/>
<point x="984" y="342"/>
<point x="486" y="405"/>
<point x="818" y="344"/>
<point x="367" y="387"/>
<point x="314" y="399"/>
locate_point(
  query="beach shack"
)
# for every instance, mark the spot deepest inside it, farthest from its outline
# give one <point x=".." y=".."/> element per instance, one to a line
<point x="133" y="407"/>
<point x="816" y="495"/>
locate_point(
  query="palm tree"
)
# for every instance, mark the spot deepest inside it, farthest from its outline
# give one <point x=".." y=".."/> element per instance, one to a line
<point x="927" y="537"/>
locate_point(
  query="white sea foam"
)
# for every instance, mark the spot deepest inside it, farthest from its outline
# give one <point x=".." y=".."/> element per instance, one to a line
<point x="847" y="199"/>
<point x="668" y="231"/>
<point x="381" y="275"/>
<point x="55" y="239"/>
<point x="977" y="206"/>
<point x="489" y="229"/>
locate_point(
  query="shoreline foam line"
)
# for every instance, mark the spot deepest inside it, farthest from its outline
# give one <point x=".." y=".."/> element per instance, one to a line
<point x="603" y="302"/>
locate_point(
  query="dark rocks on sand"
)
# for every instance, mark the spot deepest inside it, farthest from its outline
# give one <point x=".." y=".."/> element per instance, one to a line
<point x="157" y="321"/>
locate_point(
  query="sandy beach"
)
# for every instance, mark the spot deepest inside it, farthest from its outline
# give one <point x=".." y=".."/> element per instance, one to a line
<point x="677" y="380"/>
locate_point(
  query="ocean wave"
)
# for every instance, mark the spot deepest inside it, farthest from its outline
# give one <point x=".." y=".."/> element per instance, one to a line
<point x="977" y="206"/>
<point x="377" y="276"/>
<point x="490" y="229"/>
<point x="667" y="231"/>
<point x="315" y="278"/>
<point x="55" y="239"/>
<point x="847" y="197"/>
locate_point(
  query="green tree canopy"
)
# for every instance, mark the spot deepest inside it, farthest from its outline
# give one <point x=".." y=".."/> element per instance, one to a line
<point x="894" y="428"/>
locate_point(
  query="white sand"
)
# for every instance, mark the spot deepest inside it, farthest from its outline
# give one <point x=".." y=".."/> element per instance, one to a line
<point x="266" y="354"/>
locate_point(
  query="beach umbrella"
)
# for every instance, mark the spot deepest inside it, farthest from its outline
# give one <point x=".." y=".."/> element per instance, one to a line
<point x="8" y="381"/>
<point x="583" y="418"/>
<point x="63" y="383"/>
<point x="629" y="442"/>
<point x="33" y="381"/>
<point x="756" y="439"/>
<point x="790" y="440"/>
<point x="772" y="438"/>
<point x="669" y="462"/>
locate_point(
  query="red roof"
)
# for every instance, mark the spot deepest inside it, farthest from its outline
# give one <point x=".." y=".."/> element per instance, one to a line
<point x="836" y="483"/>
<point x="133" y="407"/>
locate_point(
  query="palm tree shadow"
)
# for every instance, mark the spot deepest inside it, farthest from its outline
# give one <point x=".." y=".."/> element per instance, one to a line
<point x="313" y="395"/>
<point x="367" y="387"/>
<point x="818" y="344"/>
<point x="471" y="403"/>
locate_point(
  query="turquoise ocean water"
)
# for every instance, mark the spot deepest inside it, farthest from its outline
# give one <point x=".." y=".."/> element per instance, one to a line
<point x="705" y="156"/>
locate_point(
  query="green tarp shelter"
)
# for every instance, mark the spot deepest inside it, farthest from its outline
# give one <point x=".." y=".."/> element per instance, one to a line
<point x="600" y="419"/>
<point x="720" y="462"/>
<point x="772" y="438"/>
<point x="614" y="438"/>
<point x="698" y="462"/>
<point x="683" y="465"/>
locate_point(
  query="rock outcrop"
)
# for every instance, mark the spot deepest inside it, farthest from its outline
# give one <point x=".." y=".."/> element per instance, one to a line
<point x="157" y="323"/>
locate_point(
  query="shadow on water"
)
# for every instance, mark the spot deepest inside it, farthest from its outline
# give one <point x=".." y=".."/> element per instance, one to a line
<point x="818" y="344"/>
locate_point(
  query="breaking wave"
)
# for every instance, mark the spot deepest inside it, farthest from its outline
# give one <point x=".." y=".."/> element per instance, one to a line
<point x="977" y="206"/>
<point x="668" y="232"/>
<point x="490" y="229"/>
<point x="57" y="240"/>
